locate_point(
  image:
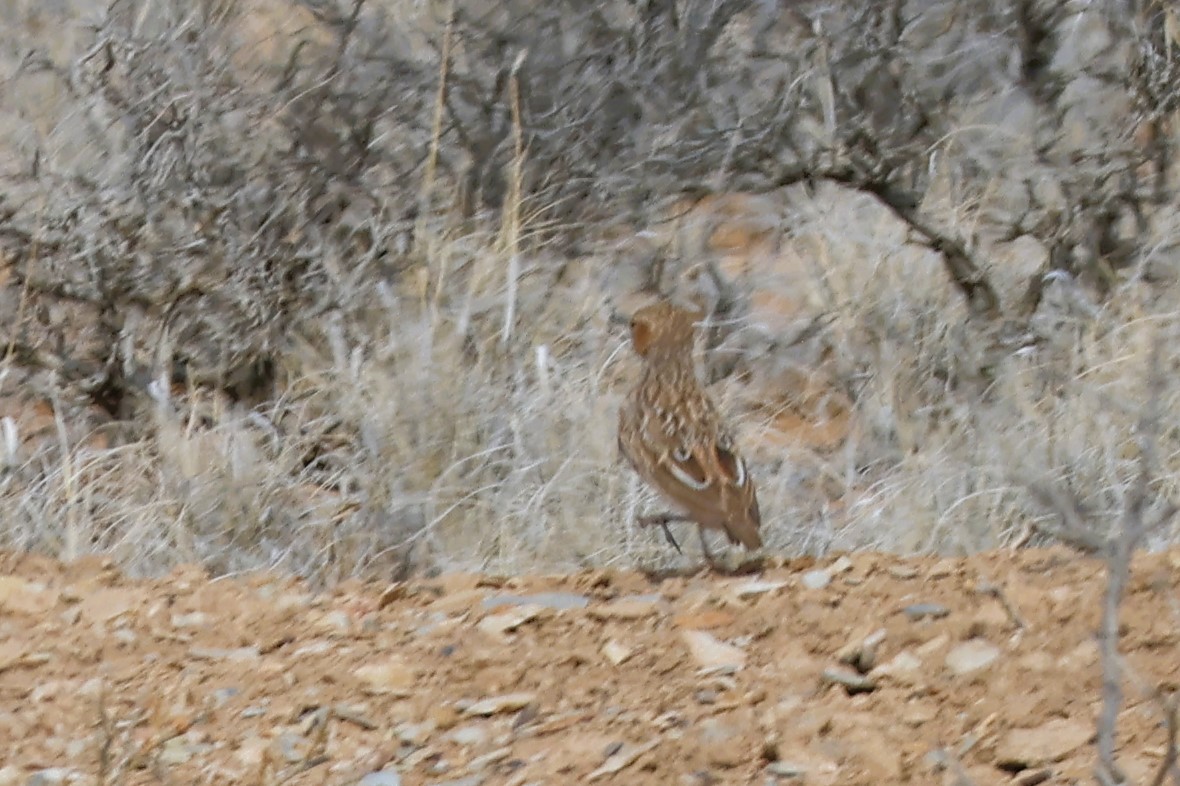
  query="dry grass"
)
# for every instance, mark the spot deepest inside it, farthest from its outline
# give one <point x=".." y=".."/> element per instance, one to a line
<point x="461" y="413"/>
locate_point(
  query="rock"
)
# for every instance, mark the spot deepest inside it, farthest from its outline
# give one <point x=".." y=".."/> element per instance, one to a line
<point x="1032" y="777"/>
<point x="816" y="579"/>
<point x="51" y="776"/>
<point x="416" y="734"/>
<point x="470" y="780"/>
<point x="842" y="565"/>
<point x="508" y="620"/>
<point x="747" y="589"/>
<point x="1022" y="749"/>
<point x="720" y="743"/>
<point x="496" y="705"/>
<point x="103" y="605"/>
<point x="711" y="653"/>
<point x="10" y="776"/>
<point x="623" y="757"/>
<point x="18" y="596"/>
<point x="548" y="600"/>
<point x="921" y="611"/>
<point x="236" y="654"/>
<point x="786" y="769"/>
<point x="703" y="620"/>
<point x="488" y="759"/>
<point x="903" y="571"/>
<point x="292" y="747"/>
<point x="175" y="750"/>
<point x="853" y="681"/>
<point x="862" y="655"/>
<point x="971" y="656"/>
<point x="629" y="608"/>
<point x="386" y="777"/>
<point x="393" y="675"/>
<point x="195" y="619"/>
<point x="469" y="735"/>
<point x="615" y="652"/>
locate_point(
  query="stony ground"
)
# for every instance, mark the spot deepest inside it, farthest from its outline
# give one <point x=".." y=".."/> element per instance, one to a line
<point x="863" y="669"/>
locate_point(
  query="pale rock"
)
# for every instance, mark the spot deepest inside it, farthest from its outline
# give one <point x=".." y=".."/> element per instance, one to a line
<point x="495" y="705"/>
<point x="710" y="652"/>
<point x="392" y="675"/>
<point x="971" y="655"/>
<point x="1044" y="744"/>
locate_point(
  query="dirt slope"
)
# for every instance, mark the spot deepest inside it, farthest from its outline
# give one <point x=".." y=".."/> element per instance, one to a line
<point x="604" y="677"/>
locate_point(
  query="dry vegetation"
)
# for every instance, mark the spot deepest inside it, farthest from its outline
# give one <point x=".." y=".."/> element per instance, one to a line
<point x="335" y="286"/>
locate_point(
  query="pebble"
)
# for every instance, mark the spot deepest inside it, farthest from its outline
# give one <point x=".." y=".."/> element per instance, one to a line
<point x="919" y="611"/>
<point x="494" y="705"/>
<point x="615" y="652"/>
<point x="509" y="620"/>
<point x="853" y="681"/>
<point x="390" y="676"/>
<point x="1022" y="749"/>
<point x="816" y="579"/>
<point x="710" y="652"/>
<point x="469" y="735"/>
<point x="971" y="656"/>
<point x="381" y="778"/>
<point x="629" y="608"/>
<point x="549" y="600"/>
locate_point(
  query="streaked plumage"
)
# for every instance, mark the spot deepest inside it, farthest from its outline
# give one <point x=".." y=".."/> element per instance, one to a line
<point x="670" y="431"/>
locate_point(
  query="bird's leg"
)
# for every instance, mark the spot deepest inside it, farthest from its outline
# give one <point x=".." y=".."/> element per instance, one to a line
<point x="709" y="558"/>
<point x="662" y="520"/>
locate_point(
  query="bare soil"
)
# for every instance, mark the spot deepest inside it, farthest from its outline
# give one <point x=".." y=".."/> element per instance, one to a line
<point x="863" y="669"/>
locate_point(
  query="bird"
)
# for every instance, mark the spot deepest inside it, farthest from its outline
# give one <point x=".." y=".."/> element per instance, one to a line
<point x="673" y="435"/>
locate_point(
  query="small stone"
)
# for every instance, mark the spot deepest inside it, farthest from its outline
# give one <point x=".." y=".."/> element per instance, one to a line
<point x="508" y="620"/>
<point x="18" y="596"/>
<point x="903" y="571"/>
<point x="841" y="565"/>
<point x="470" y="780"/>
<point x="292" y="747"/>
<point x="1022" y="749"/>
<point x="103" y="605"/>
<point x="236" y="654"/>
<point x="816" y="579"/>
<point x="223" y="695"/>
<point x="335" y="621"/>
<point x="10" y="776"/>
<point x="719" y="741"/>
<point x="51" y="776"/>
<point x="416" y="734"/>
<point x="703" y="620"/>
<point x="623" y="757"/>
<point x="615" y="652"/>
<point x="495" y="705"/>
<point x="971" y="656"/>
<point x="392" y="675"/>
<point x="175" y="751"/>
<point x="852" y="681"/>
<point x="469" y="735"/>
<point x="195" y="619"/>
<point x="920" y="611"/>
<point x="488" y="759"/>
<point x="710" y="653"/>
<point x="629" y="608"/>
<point x="385" y="777"/>
<point x="862" y="655"/>
<point x="549" y="600"/>
<point x="751" y="588"/>
<point x="786" y="769"/>
<point x="1032" y="777"/>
